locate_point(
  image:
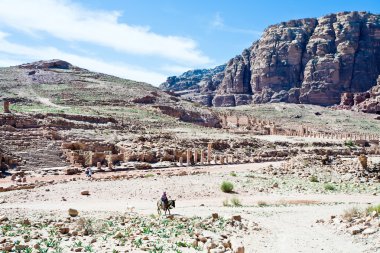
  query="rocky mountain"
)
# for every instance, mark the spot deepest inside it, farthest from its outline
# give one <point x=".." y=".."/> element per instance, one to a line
<point x="311" y="61"/>
<point x="194" y="79"/>
<point x="198" y="85"/>
<point x="368" y="101"/>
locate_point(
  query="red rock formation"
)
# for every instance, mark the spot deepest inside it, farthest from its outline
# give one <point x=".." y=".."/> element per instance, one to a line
<point x="309" y="60"/>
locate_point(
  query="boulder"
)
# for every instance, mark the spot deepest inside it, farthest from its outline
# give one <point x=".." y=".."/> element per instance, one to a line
<point x="73" y="212"/>
<point x="85" y="192"/>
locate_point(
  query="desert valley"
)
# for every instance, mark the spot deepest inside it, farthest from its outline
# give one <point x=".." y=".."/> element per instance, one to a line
<point x="275" y="151"/>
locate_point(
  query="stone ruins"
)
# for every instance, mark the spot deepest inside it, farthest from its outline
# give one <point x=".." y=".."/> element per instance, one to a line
<point x="235" y="122"/>
<point x="6" y="107"/>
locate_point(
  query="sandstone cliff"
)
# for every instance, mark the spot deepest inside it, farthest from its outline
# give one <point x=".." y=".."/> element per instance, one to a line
<point x="309" y="60"/>
<point x="368" y="101"/>
<point x="197" y="85"/>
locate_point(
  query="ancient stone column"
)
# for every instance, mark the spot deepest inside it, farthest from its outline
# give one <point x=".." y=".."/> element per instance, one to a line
<point x="215" y="159"/>
<point x="188" y="157"/>
<point x="202" y="157"/>
<point x="6" y="107"/>
<point x="99" y="165"/>
<point x="195" y="156"/>
<point x="110" y="165"/>
<point x="221" y="159"/>
<point x="174" y="155"/>
<point x="181" y="161"/>
<point x="209" y="147"/>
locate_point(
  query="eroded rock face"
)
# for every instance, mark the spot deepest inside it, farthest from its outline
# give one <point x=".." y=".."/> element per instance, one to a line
<point x="202" y="79"/>
<point x="368" y="101"/>
<point x="309" y="60"/>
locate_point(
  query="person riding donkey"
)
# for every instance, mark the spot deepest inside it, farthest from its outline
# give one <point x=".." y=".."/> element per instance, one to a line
<point x="165" y="204"/>
<point x="165" y="200"/>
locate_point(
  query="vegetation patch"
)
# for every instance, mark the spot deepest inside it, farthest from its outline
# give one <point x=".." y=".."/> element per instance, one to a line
<point x="227" y="187"/>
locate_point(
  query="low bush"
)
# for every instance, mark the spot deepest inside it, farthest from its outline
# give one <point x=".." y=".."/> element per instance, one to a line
<point x="227" y="187"/>
<point x="236" y="202"/>
<point x="329" y="187"/>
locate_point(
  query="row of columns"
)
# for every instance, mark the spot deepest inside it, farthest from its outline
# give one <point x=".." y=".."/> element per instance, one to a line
<point x="215" y="159"/>
<point x="305" y="132"/>
<point x="302" y="131"/>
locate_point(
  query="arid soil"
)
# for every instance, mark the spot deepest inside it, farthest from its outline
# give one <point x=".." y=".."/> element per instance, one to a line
<point x="277" y="214"/>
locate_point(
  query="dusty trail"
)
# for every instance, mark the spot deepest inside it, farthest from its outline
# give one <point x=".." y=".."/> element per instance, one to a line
<point x="289" y="228"/>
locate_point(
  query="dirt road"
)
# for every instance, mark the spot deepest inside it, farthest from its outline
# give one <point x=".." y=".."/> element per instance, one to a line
<point x="288" y="219"/>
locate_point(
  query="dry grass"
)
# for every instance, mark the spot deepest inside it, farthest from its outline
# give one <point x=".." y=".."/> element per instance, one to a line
<point x="262" y="203"/>
<point x="351" y="213"/>
<point x="298" y="202"/>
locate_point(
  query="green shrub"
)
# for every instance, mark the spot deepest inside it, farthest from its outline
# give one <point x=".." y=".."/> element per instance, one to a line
<point x="373" y="208"/>
<point x="329" y="187"/>
<point x="227" y="187"/>
<point x="349" y="143"/>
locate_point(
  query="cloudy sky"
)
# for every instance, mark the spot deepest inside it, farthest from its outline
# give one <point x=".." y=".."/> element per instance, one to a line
<point x="146" y="40"/>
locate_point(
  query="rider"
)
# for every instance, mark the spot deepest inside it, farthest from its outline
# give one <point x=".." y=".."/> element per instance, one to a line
<point x="164" y="199"/>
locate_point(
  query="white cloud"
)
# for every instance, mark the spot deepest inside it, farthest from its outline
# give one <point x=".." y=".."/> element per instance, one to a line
<point x="26" y="53"/>
<point x="68" y="21"/>
<point x="218" y="23"/>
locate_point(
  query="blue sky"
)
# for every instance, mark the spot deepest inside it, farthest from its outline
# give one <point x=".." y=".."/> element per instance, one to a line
<point x="146" y="40"/>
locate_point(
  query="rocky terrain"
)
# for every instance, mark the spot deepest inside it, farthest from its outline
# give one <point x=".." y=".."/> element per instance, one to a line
<point x="57" y="86"/>
<point x="117" y="213"/>
<point x="239" y="175"/>
<point x="363" y="225"/>
<point x="308" y="61"/>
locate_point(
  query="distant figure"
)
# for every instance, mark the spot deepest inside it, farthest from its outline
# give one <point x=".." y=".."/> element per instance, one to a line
<point x="165" y="204"/>
<point x="164" y="199"/>
<point x="88" y="172"/>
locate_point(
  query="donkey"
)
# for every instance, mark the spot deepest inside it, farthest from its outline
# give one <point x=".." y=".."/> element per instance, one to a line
<point x="161" y="206"/>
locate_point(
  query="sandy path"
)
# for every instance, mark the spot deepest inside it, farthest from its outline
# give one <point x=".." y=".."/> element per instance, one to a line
<point x="47" y="102"/>
<point x="290" y="228"/>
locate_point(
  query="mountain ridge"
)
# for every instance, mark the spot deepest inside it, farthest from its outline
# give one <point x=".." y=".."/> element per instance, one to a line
<point x="307" y="61"/>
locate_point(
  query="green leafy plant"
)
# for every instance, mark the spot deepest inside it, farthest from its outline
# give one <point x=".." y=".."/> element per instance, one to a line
<point x="88" y="248"/>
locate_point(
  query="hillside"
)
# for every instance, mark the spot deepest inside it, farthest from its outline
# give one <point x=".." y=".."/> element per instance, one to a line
<point x="308" y="61"/>
<point x="57" y="86"/>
